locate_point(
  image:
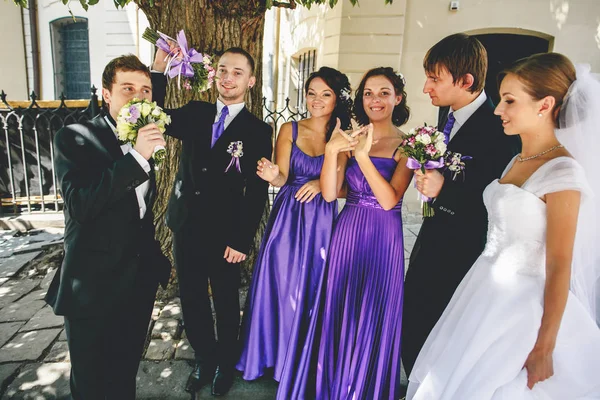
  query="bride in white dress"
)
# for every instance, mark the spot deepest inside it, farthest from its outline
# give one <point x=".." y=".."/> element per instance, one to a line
<point x="522" y="324"/>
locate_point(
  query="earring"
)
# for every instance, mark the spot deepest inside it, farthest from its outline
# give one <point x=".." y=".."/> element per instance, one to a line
<point x="540" y="115"/>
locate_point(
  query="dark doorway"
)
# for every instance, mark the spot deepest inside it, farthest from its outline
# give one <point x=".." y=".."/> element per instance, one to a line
<point x="503" y="49"/>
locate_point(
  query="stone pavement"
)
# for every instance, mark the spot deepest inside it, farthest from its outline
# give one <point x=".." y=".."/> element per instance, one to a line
<point x="34" y="358"/>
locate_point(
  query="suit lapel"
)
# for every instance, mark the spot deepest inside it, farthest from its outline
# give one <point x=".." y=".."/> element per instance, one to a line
<point x="235" y="126"/>
<point x="472" y="125"/>
<point x="107" y="137"/>
<point x="202" y="144"/>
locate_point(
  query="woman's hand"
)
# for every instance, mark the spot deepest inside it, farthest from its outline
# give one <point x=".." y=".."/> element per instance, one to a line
<point x="365" y="142"/>
<point x="539" y="366"/>
<point x="267" y="170"/>
<point x="341" y="141"/>
<point x="308" y="191"/>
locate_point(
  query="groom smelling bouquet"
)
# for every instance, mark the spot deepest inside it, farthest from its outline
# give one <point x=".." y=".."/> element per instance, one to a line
<point x="450" y="241"/>
<point x="214" y="210"/>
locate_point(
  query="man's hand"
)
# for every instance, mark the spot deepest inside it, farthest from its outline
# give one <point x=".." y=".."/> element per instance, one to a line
<point x="430" y="183"/>
<point x="233" y="256"/>
<point x="161" y="58"/>
<point x="148" y="138"/>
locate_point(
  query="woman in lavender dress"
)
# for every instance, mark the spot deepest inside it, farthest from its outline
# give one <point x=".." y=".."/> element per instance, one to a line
<point x="359" y="352"/>
<point x="292" y="257"/>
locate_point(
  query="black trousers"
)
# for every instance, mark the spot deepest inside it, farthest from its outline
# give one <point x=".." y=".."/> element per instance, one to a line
<point x="106" y="350"/>
<point x="199" y="261"/>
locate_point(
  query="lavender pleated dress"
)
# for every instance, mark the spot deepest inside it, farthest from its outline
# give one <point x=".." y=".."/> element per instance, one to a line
<point x="359" y="352"/>
<point x="353" y="349"/>
<point x="287" y="273"/>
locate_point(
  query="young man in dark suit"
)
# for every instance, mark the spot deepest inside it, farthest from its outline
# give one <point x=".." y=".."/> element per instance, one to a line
<point x="214" y="211"/>
<point x="449" y="242"/>
<point x="107" y="283"/>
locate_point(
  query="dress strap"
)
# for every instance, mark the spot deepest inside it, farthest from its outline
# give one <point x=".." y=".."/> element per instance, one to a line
<point x="395" y="151"/>
<point x="294" y="131"/>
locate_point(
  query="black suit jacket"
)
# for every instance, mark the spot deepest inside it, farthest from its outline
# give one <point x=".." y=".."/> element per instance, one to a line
<point x="106" y="243"/>
<point x="226" y="205"/>
<point x="458" y="229"/>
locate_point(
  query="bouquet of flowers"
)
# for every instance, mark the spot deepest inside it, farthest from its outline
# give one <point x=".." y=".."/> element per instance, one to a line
<point x="425" y="148"/>
<point x="137" y="114"/>
<point x="192" y="69"/>
<point x="455" y="163"/>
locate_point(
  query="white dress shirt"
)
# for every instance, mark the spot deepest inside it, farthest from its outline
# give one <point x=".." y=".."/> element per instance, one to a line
<point x="234" y="110"/>
<point x="141" y="190"/>
<point x="462" y="115"/>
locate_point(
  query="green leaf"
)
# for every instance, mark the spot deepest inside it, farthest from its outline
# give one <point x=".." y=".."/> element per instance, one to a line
<point x="84" y="4"/>
<point x="93" y="2"/>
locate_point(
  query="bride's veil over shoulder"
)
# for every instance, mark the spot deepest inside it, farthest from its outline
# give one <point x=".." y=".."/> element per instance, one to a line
<point x="579" y="131"/>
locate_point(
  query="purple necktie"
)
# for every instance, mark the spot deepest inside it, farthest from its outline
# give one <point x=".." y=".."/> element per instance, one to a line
<point x="448" y="127"/>
<point x="219" y="126"/>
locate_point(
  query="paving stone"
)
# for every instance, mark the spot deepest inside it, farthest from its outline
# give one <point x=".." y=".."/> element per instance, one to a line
<point x="8" y="330"/>
<point x="58" y="353"/>
<point x="45" y="283"/>
<point x="165" y="328"/>
<point x="184" y="350"/>
<point x="41" y="381"/>
<point x="412" y="228"/>
<point x="15" y="289"/>
<point x="264" y="388"/>
<point x="28" y="346"/>
<point x="7" y="372"/>
<point x="63" y="336"/>
<point x="172" y="310"/>
<point x="159" y="349"/>
<point x="45" y="318"/>
<point x="21" y="311"/>
<point x="14" y="263"/>
<point x="409" y="242"/>
<point x="163" y="380"/>
<point x="32" y="296"/>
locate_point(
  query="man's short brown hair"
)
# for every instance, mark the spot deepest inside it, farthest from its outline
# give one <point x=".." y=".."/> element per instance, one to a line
<point x="460" y="54"/>
<point x="126" y="63"/>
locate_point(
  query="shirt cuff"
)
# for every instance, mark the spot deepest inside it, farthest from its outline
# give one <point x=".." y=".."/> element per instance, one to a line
<point x="141" y="160"/>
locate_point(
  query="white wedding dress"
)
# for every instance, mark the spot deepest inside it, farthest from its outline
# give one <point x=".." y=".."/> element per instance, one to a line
<point x="479" y="346"/>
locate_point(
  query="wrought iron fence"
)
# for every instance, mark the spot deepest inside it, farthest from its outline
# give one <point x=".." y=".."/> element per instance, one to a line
<point x="27" y="129"/>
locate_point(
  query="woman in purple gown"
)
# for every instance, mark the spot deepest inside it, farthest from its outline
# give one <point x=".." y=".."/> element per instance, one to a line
<point x="292" y="257"/>
<point x="359" y="351"/>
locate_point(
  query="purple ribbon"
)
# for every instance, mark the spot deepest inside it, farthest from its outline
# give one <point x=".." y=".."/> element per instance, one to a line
<point x="182" y="57"/>
<point x="431" y="164"/>
<point x="236" y="161"/>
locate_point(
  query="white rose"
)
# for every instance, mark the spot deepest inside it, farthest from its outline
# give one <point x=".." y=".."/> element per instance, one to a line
<point x="425" y="139"/>
<point x="145" y="109"/>
<point x="156" y="112"/>
<point x="441" y="147"/>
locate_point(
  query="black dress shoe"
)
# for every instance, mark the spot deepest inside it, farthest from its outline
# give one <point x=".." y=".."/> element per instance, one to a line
<point x="222" y="382"/>
<point x="200" y="376"/>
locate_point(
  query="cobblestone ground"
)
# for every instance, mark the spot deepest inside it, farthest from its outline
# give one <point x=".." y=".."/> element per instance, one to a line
<point x="34" y="358"/>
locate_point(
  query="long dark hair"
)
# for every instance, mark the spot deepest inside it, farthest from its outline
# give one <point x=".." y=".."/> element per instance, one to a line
<point x="340" y="85"/>
<point x="401" y="111"/>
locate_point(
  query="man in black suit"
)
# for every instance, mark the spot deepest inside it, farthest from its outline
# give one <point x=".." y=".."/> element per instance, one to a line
<point x="214" y="211"/>
<point x="449" y="242"/>
<point x="107" y="283"/>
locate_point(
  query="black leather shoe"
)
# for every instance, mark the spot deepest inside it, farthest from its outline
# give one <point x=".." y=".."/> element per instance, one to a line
<point x="222" y="382"/>
<point x="200" y="376"/>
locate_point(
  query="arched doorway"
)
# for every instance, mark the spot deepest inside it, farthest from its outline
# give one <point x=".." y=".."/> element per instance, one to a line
<point x="504" y="48"/>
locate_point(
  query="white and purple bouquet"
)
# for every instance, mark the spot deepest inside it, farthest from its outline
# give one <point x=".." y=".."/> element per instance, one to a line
<point x="135" y="115"/>
<point x="425" y="148"/>
<point x="193" y="70"/>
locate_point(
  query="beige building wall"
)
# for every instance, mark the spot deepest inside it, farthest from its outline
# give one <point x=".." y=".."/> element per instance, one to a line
<point x="13" y="79"/>
<point x="574" y="25"/>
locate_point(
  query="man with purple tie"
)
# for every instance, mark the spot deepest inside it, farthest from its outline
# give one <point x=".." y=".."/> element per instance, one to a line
<point x="449" y="242"/>
<point x="214" y="211"/>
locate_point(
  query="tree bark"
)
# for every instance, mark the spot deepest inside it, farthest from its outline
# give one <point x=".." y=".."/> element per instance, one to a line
<point x="210" y="26"/>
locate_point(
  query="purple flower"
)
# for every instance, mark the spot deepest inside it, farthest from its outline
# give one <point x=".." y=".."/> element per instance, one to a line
<point x="134" y="113"/>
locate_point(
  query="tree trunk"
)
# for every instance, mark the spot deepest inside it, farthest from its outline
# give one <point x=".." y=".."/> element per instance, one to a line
<point x="210" y="26"/>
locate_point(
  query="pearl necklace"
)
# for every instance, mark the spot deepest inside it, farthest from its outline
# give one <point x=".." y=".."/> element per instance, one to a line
<point x="539" y="154"/>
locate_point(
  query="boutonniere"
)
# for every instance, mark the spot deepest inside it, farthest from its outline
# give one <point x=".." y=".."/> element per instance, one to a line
<point x="236" y="149"/>
<point x="455" y="163"/>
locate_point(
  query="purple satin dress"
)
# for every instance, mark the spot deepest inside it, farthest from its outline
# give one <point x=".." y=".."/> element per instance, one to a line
<point x="287" y="273"/>
<point x="353" y="349"/>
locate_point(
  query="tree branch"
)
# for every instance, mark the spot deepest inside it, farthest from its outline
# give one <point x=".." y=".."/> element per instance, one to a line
<point x="291" y="4"/>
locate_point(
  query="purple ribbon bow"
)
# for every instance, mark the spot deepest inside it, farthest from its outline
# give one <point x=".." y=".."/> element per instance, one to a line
<point x="431" y="164"/>
<point x="182" y="57"/>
